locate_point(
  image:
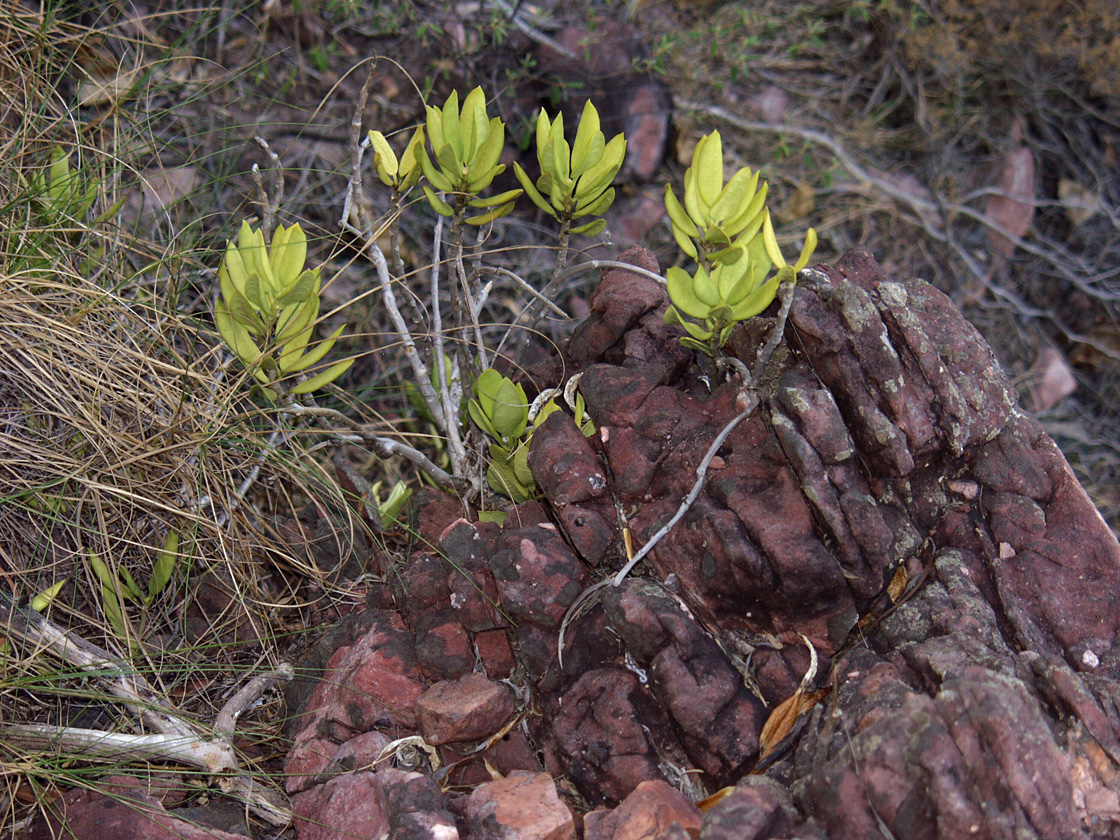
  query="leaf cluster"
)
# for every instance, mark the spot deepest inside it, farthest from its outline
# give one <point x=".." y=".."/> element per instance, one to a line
<point x="575" y="178"/>
<point x="501" y="410"/>
<point x="467" y="144"/>
<point x="268" y="308"/>
<point x="727" y="229"/>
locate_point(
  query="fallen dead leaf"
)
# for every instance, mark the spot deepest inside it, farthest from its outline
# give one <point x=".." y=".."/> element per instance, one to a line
<point x="1051" y="379"/>
<point x="105" y="89"/>
<point x="1013" y="210"/>
<point x="771" y="103"/>
<point x="1079" y="202"/>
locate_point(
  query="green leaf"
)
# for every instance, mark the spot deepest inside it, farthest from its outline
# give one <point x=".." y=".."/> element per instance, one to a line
<point x="481" y="420"/>
<point x="295" y="320"/>
<point x="511" y="410"/>
<point x="727" y="256"/>
<point x="434" y="124"/>
<point x="750" y="210"/>
<point x="111" y="606"/>
<point x="384" y="159"/>
<point x="704" y="288"/>
<point x="132" y="591"/>
<point x="288" y="255"/>
<point x="734" y="198"/>
<point x="164" y="567"/>
<point x="474" y="111"/>
<point x="498" y="517"/>
<point x="303" y="288"/>
<point x="391" y="508"/>
<point x="683" y="242"/>
<point x="770" y="241"/>
<point x="758" y="300"/>
<point x="585" y="134"/>
<point x="102" y="571"/>
<point x="599" y="177"/>
<point x="475" y="126"/>
<point x="438" y="180"/>
<point x="438" y="204"/>
<point x="325" y="378"/>
<point x="679" y="285"/>
<point x="43" y="600"/>
<point x="300" y="363"/>
<point x="245" y="315"/>
<point x="708" y="164"/>
<point x="452" y="130"/>
<point x="502" y="476"/>
<point x="410" y="167"/>
<point x="531" y="191"/>
<point x="520" y="463"/>
<point x="596" y="207"/>
<point x="693" y="344"/>
<point x="451" y="164"/>
<point x="806" y="251"/>
<point x="679" y="217"/>
<point x="488" y="155"/>
<point x="692" y="199"/>
<point x="590" y="229"/>
<point x="696" y="331"/>
<point x="495" y="200"/>
<point x="486" y="218"/>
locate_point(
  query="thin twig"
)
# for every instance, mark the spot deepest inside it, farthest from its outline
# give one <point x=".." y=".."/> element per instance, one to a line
<point x="751" y="403"/>
<point x="385" y="447"/>
<point x="226" y="721"/>
<point x="591" y="265"/>
<point x="355" y="196"/>
<point x="525" y="287"/>
<point x="269" y="204"/>
<point x="450" y="390"/>
<point x="749" y="398"/>
<point x="533" y="33"/>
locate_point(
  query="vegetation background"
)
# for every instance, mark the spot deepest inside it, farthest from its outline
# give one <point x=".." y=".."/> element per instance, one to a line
<point x="971" y="144"/>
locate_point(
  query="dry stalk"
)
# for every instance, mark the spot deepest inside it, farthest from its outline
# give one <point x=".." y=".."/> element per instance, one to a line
<point x="177" y="740"/>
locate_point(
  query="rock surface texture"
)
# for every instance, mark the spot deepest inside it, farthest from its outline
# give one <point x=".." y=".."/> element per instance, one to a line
<point x="977" y="696"/>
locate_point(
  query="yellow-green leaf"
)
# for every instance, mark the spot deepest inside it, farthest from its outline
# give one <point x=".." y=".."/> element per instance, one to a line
<point x="438" y="204"/>
<point x="295" y="365"/>
<point x="531" y="191"/>
<point x="486" y="218"/>
<point x="325" y="378"/>
<point x="438" y="180"/>
<point x="384" y="158"/>
<point x="164" y="567"/>
<point x="590" y="229"/>
<point x="708" y="165"/>
<point x="43" y="600"/>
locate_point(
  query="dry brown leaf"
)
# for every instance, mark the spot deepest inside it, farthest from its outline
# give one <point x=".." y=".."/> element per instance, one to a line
<point x="898" y="584"/>
<point x="1079" y="202"/>
<point x="771" y="103"/>
<point x="715" y="798"/>
<point x="1013" y="211"/>
<point x="779" y="724"/>
<point x="800" y="204"/>
<point x="102" y="89"/>
<point x="1051" y="379"/>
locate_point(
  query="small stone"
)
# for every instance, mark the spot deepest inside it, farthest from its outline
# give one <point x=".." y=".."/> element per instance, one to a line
<point x="522" y="806"/>
<point x="646" y="814"/>
<point x="346" y="806"/>
<point x="495" y="653"/>
<point x="122" y="815"/>
<point x="465" y="709"/>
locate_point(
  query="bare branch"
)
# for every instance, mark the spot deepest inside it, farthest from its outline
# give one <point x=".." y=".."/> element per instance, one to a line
<point x="178" y="740"/>
<point x="385" y="447"/>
